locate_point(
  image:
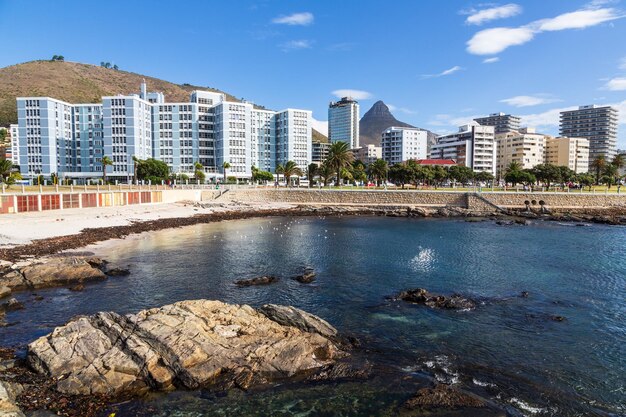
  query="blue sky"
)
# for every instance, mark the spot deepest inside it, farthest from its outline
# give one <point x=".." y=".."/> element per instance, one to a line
<point x="436" y="63"/>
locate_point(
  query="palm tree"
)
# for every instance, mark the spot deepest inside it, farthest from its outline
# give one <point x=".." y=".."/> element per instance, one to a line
<point x="136" y="163"/>
<point x="598" y="164"/>
<point x="378" y="171"/>
<point x="279" y="170"/>
<point x="105" y="161"/>
<point x="311" y="172"/>
<point x="339" y="157"/>
<point x="225" y="165"/>
<point x="199" y="171"/>
<point x="6" y="167"/>
<point x="326" y="172"/>
<point x="619" y="161"/>
<point x="289" y="170"/>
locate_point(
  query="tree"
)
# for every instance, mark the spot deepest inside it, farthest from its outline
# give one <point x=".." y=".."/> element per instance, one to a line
<point x="378" y="171"/>
<point x="3" y="135"/>
<point x="199" y="171"/>
<point x="461" y="174"/>
<point x="326" y="172"/>
<point x="279" y="170"/>
<point x="154" y="171"/>
<point x="57" y="58"/>
<point x="585" y="180"/>
<point x="484" y="176"/>
<point x="105" y="162"/>
<point x="358" y="171"/>
<point x="8" y="175"/>
<point x="598" y="165"/>
<point x="619" y="161"/>
<point x="439" y="175"/>
<point x="339" y="157"/>
<point x="225" y="166"/>
<point x="610" y="175"/>
<point x="115" y="67"/>
<point x="291" y="169"/>
<point x="400" y="173"/>
<point x="311" y="172"/>
<point x="547" y="173"/>
<point x="258" y="175"/>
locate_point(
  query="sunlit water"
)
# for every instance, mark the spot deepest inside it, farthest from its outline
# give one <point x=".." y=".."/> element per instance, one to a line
<point x="507" y="349"/>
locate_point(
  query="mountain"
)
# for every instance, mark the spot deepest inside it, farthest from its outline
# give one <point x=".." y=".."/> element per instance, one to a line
<point x="81" y="83"/>
<point x="376" y="120"/>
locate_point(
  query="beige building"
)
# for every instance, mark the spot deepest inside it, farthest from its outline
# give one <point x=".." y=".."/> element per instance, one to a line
<point x="570" y="152"/>
<point x="523" y="146"/>
<point x="368" y="154"/>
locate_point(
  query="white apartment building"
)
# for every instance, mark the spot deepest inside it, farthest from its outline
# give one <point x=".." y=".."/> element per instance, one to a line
<point x="343" y="122"/>
<point x="472" y="146"/>
<point x="399" y="144"/>
<point x="368" y="154"/>
<point x="570" y="152"/>
<point x="15" y="143"/>
<point x="524" y="146"/>
<point x="71" y="139"/>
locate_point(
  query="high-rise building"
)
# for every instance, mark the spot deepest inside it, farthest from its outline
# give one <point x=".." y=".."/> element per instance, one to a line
<point x="71" y="139"/>
<point x="399" y="144"/>
<point x="570" y="152"/>
<point x="320" y="152"/>
<point x="368" y="154"/>
<point x="524" y="146"/>
<point x="501" y="122"/>
<point x="343" y="122"/>
<point x="472" y="146"/>
<point x="597" y="124"/>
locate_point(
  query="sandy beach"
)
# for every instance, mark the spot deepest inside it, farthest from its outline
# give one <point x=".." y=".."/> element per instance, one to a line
<point x="23" y="228"/>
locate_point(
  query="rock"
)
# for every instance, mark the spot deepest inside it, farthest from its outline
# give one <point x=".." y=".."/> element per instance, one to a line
<point x="8" y="394"/>
<point x="557" y="318"/>
<point x="505" y="222"/>
<point x="11" y="305"/>
<point x="4" y="291"/>
<point x="77" y="287"/>
<point x="14" y="280"/>
<point x="524" y="294"/>
<point x="264" y="280"/>
<point x="307" y="277"/>
<point x="61" y="271"/>
<point x="117" y="272"/>
<point x="442" y="396"/>
<point x="189" y="344"/>
<point x="421" y="296"/>
<point x="294" y="317"/>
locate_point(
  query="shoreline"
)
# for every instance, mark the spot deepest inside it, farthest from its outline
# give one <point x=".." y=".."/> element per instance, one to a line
<point x="58" y="243"/>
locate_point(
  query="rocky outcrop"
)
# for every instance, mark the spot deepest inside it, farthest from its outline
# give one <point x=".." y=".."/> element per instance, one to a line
<point x="264" y="280"/>
<point x="51" y="272"/>
<point x="442" y="397"/>
<point x="189" y="344"/>
<point x="307" y="277"/>
<point x="8" y="394"/>
<point x="422" y="296"/>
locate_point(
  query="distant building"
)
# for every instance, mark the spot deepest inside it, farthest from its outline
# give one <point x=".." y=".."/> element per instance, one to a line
<point x="343" y="122"/>
<point x="472" y="146"/>
<point x="399" y="144"/>
<point x="501" y="122"/>
<point x="15" y="144"/>
<point x="524" y="146"/>
<point x="71" y="139"/>
<point x="570" y="152"/>
<point x="368" y="154"/>
<point x="320" y="152"/>
<point x="597" y="124"/>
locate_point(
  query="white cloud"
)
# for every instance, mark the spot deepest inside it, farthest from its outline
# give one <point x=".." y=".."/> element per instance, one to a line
<point x="355" y="94"/>
<point x="527" y="101"/>
<point x="320" y="125"/>
<point x="296" y="19"/>
<point x="579" y="19"/>
<point x="404" y="110"/>
<point x="491" y="60"/>
<point x="550" y="118"/>
<point x="449" y="71"/>
<point x="616" y="84"/>
<point x="296" y="45"/>
<point x="478" y="17"/>
<point x="495" y="40"/>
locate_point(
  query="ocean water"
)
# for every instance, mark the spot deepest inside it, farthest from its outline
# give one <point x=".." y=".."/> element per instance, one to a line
<point x="507" y="350"/>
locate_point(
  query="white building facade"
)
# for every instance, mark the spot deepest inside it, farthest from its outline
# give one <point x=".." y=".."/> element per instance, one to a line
<point x="473" y="146"/>
<point x="523" y="146"/>
<point x="343" y="122"/>
<point x="71" y="139"/>
<point x="14" y="131"/>
<point x="399" y="144"/>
